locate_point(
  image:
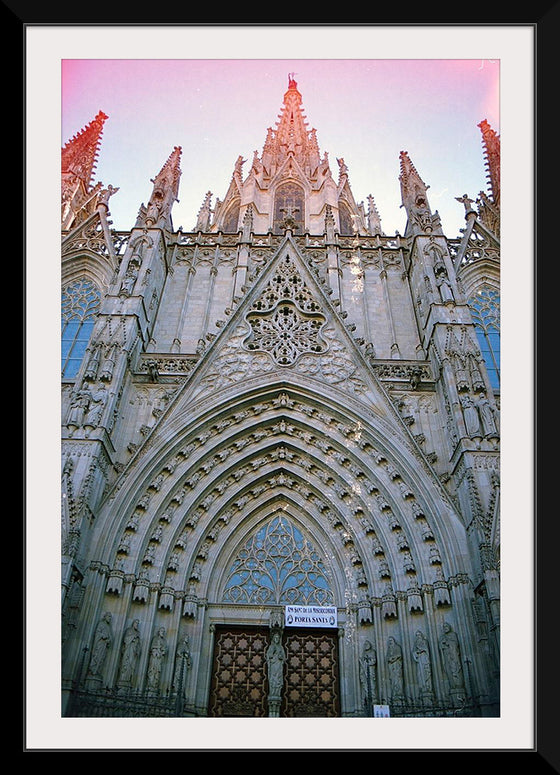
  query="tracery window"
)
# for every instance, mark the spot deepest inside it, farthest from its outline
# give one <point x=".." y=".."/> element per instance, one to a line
<point x="80" y="306"/>
<point x="289" y="202"/>
<point x="286" y="320"/>
<point x="278" y="565"/>
<point x="485" y="308"/>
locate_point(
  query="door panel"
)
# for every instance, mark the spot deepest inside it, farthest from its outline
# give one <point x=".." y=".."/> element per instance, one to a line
<point x="239" y="678"/>
<point x="311" y="681"/>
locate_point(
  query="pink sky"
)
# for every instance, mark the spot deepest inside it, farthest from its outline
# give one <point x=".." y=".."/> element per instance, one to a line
<point x="364" y="110"/>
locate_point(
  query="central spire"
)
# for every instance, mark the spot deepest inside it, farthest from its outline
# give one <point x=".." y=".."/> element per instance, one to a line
<point x="291" y="136"/>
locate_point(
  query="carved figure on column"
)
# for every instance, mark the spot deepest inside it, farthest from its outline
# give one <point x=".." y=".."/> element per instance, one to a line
<point x="158" y="650"/>
<point x="183" y="663"/>
<point x="79" y="406"/>
<point x="470" y="414"/>
<point x="93" y="363"/>
<point x="275" y="659"/>
<point x="451" y="656"/>
<point x="130" y="652"/>
<point x="129" y="281"/>
<point x="368" y="677"/>
<point x="488" y="417"/>
<point x="395" y="665"/>
<point x="102" y="642"/>
<point x="445" y="290"/>
<point x="96" y="407"/>
<point x="421" y="655"/>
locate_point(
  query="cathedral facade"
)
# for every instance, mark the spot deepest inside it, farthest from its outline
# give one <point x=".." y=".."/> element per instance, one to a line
<point x="280" y="444"/>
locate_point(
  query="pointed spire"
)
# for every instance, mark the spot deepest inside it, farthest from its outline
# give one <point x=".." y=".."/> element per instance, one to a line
<point x="79" y="155"/>
<point x="204" y="214"/>
<point x="170" y="173"/>
<point x="164" y="194"/>
<point x="373" y="219"/>
<point x="415" y="199"/>
<point x="291" y="136"/>
<point x="413" y="188"/>
<point x="491" y="143"/>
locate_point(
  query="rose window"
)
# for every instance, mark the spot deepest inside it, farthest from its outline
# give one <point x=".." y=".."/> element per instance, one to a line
<point x="286" y="321"/>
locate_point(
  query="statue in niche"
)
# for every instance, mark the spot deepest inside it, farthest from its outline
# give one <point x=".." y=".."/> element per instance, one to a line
<point x="79" y="406"/>
<point x="93" y="363"/>
<point x="96" y="407"/>
<point x="395" y="665"/>
<point x="102" y="642"/>
<point x="130" y="652"/>
<point x="108" y="363"/>
<point x="275" y="658"/>
<point x="488" y="417"/>
<point x="445" y="290"/>
<point x="470" y="414"/>
<point x="158" y="650"/>
<point x="129" y="281"/>
<point x="451" y="655"/>
<point x="183" y="662"/>
<point x="421" y="655"/>
<point x="368" y="678"/>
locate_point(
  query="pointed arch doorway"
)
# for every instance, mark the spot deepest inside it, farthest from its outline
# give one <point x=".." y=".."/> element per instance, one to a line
<point x="276" y="670"/>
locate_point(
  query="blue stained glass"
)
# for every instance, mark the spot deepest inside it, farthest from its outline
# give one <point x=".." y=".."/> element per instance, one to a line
<point x="485" y="308"/>
<point x="80" y="305"/>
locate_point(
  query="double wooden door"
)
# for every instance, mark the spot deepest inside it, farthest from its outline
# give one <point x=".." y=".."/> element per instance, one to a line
<point x="310" y="685"/>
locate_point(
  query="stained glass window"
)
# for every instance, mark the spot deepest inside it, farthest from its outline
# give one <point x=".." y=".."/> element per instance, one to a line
<point x="289" y="203"/>
<point x="485" y="308"/>
<point x="80" y="305"/>
<point x="278" y="565"/>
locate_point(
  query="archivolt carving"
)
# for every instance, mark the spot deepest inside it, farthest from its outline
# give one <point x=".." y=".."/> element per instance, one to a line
<point x="191" y="486"/>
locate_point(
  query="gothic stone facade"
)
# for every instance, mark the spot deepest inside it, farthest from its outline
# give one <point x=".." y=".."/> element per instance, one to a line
<point x="284" y="406"/>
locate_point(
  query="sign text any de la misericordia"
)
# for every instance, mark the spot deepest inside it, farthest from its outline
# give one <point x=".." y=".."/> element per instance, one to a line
<point x="310" y="616"/>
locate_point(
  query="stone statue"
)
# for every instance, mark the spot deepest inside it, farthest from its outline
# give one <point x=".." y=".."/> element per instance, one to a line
<point x="451" y="655"/>
<point x="395" y="665"/>
<point x="368" y="678"/>
<point x="96" y="407"/>
<point x="79" y="407"/>
<point x="182" y="660"/>
<point x="470" y="414"/>
<point x="275" y="658"/>
<point x="158" y="650"/>
<point x="102" y="642"/>
<point x="130" y="652"/>
<point x="488" y="417"/>
<point x="421" y="655"/>
<point x="129" y="280"/>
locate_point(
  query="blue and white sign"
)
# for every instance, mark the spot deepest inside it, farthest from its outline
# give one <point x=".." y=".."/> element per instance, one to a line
<point x="310" y="616"/>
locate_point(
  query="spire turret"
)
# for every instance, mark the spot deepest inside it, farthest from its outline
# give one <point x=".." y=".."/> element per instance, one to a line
<point x="79" y="155"/>
<point x="79" y="194"/>
<point x="491" y="143"/>
<point x="489" y="204"/>
<point x="164" y="194"/>
<point x="415" y="199"/>
<point x="291" y="136"/>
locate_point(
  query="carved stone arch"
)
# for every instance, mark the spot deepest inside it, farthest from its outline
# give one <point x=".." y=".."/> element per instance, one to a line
<point x="281" y="502"/>
<point x="138" y="247"/>
<point x="229" y="221"/>
<point x="88" y="266"/>
<point x="346" y="220"/>
<point x="188" y="440"/>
